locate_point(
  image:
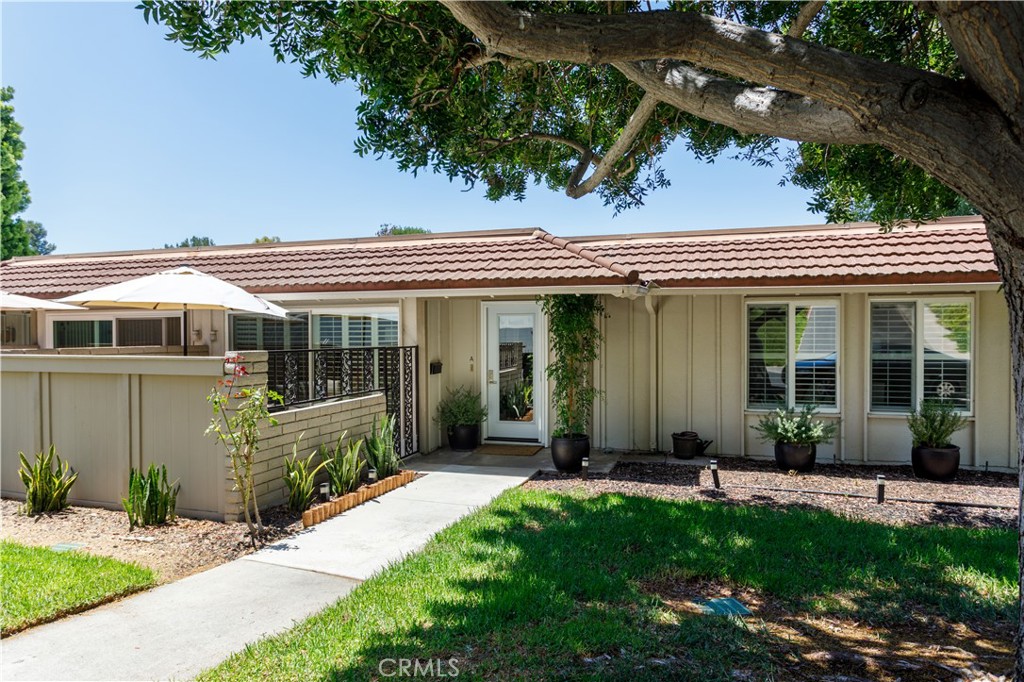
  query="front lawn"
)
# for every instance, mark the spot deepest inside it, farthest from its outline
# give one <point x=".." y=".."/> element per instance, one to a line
<point x="543" y="585"/>
<point x="38" y="584"/>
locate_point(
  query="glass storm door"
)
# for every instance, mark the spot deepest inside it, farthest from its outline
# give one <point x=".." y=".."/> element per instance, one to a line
<point x="514" y="371"/>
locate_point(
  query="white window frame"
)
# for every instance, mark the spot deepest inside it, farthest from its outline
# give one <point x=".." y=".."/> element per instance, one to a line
<point x="792" y="303"/>
<point x="355" y="311"/>
<point x="103" y="316"/>
<point x="917" y="380"/>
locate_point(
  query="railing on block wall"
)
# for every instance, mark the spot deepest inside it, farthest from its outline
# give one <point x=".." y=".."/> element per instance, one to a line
<point x="314" y="375"/>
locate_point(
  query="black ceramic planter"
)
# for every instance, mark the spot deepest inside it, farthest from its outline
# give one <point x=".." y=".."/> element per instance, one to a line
<point x="568" y="453"/>
<point x="791" y="457"/>
<point x="464" y="438"/>
<point x="935" y="464"/>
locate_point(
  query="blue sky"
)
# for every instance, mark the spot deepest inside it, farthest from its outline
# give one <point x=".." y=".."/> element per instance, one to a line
<point x="133" y="142"/>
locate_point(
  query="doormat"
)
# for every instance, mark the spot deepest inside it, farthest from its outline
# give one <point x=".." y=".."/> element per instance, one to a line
<point x="724" y="606"/>
<point x="509" y="450"/>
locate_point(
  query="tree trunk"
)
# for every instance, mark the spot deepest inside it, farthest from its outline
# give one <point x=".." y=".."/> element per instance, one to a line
<point x="1009" y="251"/>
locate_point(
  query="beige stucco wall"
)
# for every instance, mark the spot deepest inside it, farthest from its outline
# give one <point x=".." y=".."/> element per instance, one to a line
<point x="688" y="362"/>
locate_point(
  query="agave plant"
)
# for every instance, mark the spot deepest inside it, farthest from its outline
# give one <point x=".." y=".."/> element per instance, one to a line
<point x="300" y="476"/>
<point x="151" y="499"/>
<point x="343" y="464"/>
<point x="46" y="488"/>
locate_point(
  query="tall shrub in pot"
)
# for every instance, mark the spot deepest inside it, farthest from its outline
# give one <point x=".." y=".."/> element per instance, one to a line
<point x="932" y="427"/>
<point x="575" y="343"/>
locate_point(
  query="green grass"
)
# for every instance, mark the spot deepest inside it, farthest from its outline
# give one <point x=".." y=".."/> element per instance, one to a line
<point x="530" y="586"/>
<point x="38" y="584"/>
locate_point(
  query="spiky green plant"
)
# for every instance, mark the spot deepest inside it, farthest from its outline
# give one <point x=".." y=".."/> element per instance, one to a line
<point x="380" y="447"/>
<point x="300" y="476"/>
<point x="151" y="499"/>
<point x="343" y="464"/>
<point x="46" y="488"/>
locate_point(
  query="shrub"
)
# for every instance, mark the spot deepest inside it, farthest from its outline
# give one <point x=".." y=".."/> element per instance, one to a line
<point x="151" y="499"/>
<point x="343" y="464"/>
<point x="46" y="488"/>
<point x="237" y="426"/>
<point x="795" y="428"/>
<point x="934" y="423"/>
<point x="460" y="407"/>
<point x="300" y="475"/>
<point x="380" y="448"/>
<point x="575" y="343"/>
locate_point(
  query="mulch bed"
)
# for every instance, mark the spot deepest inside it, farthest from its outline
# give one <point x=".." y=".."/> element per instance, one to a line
<point x="674" y="481"/>
<point x="173" y="551"/>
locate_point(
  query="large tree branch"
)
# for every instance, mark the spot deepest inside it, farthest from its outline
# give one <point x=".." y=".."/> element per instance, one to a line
<point x="804" y="18"/>
<point x="989" y="39"/>
<point x="751" y="111"/>
<point x="867" y="88"/>
<point x="577" y="188"/>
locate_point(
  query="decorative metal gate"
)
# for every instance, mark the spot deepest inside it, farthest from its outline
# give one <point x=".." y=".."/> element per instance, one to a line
<point x="316" y="375"/>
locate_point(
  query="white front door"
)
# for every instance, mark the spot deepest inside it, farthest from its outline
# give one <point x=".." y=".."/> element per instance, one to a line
<point x="513" y="378"/>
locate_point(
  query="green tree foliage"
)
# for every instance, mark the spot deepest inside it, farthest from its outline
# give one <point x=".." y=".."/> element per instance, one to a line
<point x="37" y="243"/>
<point x="191" y="242"/>
<point x="389" y="230"/>
<point x="433" y="99"/>
<point x="19" y="237"/>
<point x="266" y="240"/>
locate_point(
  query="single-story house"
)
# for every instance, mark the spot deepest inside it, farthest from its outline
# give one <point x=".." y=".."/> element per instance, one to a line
<point x="704" y="330"/>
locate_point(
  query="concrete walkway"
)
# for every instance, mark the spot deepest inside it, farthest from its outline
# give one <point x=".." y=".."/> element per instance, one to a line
<point x="177" y="630"/>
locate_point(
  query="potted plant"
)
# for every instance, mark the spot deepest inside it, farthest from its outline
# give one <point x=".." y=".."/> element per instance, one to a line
<point x="459" y="414"/>
<point x="575" y="342"/>
<point x="932" y="426"/>
<point x="796" y="436"/>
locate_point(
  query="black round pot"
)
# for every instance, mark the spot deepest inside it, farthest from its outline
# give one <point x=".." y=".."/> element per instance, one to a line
<point x="684" y="444"/>
<point x="464" y="438"/>
<point x="567" y="453"/>
<point x="935" y="464"/>
<point x="791" y="457"/>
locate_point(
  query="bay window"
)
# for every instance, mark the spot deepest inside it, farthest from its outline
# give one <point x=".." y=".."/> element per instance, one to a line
<point x="792" y="354"/>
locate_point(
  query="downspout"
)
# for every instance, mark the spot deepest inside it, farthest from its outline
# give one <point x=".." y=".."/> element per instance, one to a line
<point x="654" y="408"/>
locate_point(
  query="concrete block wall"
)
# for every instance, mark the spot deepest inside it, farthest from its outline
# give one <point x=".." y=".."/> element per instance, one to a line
<point x="318" y="424"/>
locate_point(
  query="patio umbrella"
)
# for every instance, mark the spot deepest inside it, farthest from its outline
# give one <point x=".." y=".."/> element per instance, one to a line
<point x="19" y="302"/>
<point x="182" y="288"/>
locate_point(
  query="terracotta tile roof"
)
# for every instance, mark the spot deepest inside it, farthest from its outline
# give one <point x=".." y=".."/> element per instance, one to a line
<point x="952" y="250"/>
<point x="502" y="258"/>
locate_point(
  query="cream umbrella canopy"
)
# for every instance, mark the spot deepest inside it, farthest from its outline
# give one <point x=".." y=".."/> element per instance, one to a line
<point x="181" y="288"/>
<point x="19" y="302"/>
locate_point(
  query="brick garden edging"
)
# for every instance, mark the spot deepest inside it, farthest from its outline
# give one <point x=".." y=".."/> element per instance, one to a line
<point x="325" y="510"/>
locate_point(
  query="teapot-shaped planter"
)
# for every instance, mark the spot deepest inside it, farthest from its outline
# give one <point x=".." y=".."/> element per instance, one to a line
<point x="687" y="445"/>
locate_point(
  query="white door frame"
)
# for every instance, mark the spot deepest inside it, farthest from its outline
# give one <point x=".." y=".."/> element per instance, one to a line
<point x="540" y="361"/>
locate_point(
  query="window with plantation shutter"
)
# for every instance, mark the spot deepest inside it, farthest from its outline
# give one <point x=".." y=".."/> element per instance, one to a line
<point x="892" y="356"/>
<point x="140" y="332"/>
<point x="792" y="354"/>
<point x="920" y="350"/>
<point x="252" y="332"/>
<point x="83" y="333"/>
<point x="767" y="350"/>
<point x="816" y="329"/>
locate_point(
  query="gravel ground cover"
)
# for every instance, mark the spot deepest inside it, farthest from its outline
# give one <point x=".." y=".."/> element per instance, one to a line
<point x="172" y="551"/>
<point x="746" y="481"/>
